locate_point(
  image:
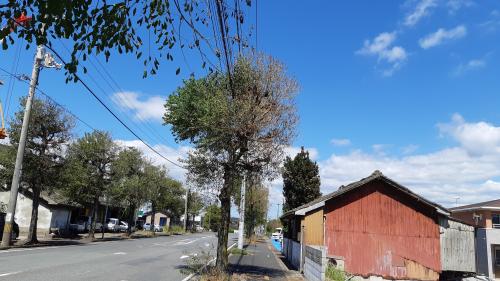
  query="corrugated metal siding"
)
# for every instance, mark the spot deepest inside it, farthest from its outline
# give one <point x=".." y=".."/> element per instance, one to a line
<point x="377" y="234"/>
<point x="457" y="246"/>
<point x="313" y="227"/>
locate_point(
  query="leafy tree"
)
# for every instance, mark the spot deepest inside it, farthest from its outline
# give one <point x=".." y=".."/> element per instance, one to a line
<point x="126" y="188"/>
<point x="212" y="217"/>
<point x="272" y="225"/>
<point x="300" y="180"/>
<point x="137" y="27"/>
<point x="256" y="204"/>
<point x="237" y="123"/>
<point x="195" y="204"/>
<point x="88" y="172"/>
<point x="48" y="134"/>
<point x="163" y="192"/>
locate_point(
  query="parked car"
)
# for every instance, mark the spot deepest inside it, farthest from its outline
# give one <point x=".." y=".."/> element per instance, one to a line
<point x="157" y="228"/>
<point x="278" y="234"/>
<point x="113" y="225"/>
<point x="15" y="227"/>
<point x="123" y="226"/>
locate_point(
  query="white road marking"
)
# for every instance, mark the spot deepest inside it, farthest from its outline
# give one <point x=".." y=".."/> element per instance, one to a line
<point x="27" y="249"/>
<point x="184" y="257"/>
<point x="119" y="253"/>
<point x="9" y="273"/>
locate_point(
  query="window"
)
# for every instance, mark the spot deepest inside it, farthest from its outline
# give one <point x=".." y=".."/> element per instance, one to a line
<point x="495" y="218"/>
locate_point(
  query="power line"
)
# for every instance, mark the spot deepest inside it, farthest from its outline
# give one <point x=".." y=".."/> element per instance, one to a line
<point x="111" y="111"/>
<point x="144" y="128"/>
<point x="22" y="78"/>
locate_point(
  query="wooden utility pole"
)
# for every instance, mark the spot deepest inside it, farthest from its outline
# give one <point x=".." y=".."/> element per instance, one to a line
<point x="11" y="210"/>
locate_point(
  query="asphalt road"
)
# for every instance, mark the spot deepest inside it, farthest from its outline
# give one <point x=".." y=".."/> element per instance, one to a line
<point x="140" y="259"/>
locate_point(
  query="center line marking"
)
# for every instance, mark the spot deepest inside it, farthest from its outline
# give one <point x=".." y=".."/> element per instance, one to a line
<point x="119" y="253"/>
<point x="9" y="273"/>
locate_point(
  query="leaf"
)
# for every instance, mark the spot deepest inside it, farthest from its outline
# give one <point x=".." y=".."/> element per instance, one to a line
<point x="178" y="71"/>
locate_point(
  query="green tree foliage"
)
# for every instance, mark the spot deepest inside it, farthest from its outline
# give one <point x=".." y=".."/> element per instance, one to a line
<point x="163" y="192"/>
<point x="48" y="134"/>
<point x="301" y="180"/>
<point x="237" y="123"/>
<point x="256" y="204"/>
<point x="195" y="205"/>
<point x="126" y="187"/>
<point x="88" y="172"/>
<point x="137" y="27"/>
<point x="212" y="218"/>
<point x="272" y="225"/>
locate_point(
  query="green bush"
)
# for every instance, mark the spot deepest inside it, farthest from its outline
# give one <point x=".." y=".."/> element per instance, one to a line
<point x="176" y="229"/>
<point x="334" y="274"/>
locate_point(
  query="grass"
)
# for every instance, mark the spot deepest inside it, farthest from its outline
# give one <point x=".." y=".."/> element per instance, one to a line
<point x="236" y="251"/>
<point x="176" y="229"/>
<point x="334" y="274"/>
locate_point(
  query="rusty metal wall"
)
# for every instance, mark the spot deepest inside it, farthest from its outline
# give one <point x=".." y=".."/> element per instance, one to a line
<point x="313" y="227"/>
<point x="379" y="232"/>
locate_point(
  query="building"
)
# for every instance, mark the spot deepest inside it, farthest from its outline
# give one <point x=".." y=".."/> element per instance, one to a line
<point x="485" y="216"/>
<point x="160" y="219"/>
<point x="377" y="227"/>
<point x="53" y="211"/>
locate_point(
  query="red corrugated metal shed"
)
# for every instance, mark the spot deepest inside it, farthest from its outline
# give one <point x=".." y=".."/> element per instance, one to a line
<point x="378" y="229"/>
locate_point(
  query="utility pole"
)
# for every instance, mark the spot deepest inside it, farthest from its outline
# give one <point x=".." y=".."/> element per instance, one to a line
<point x="186" y="209"/>
<point x="11" y="211"/>
<point x="241" y="227"/>
<point x="278" y="211"/>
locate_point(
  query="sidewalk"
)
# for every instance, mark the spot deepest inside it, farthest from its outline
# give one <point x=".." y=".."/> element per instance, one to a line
<point x="81" y="239"/>
<point x="260" y="263"/>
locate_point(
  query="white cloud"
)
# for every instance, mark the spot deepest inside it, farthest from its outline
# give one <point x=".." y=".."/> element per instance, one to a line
<point x="293" y="150"/>
<point x="468" y="171"/>
<point x="409" y="149"/>
<point x="469" y="66"/>
<point x="479" y="138"/>
<point x="382" y="47"/>
<point x="455" y="5"/>
<point x="421" y="10"/>
<point x="341" y="142"/>
<point x="150" y="108"/>
<point x="442" y="35"/>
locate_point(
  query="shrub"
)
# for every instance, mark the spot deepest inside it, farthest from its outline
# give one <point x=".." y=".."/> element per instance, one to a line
<point x="176" y="229"/>
<point x="334" y="274"/>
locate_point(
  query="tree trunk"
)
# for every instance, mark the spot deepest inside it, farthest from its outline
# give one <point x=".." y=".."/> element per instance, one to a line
<point x="32" y="237"/>
<point x="153" y="212"/>
<point x="131" y="219"/>
<point x="93" y="219"/>
<point x="225" y="217"/>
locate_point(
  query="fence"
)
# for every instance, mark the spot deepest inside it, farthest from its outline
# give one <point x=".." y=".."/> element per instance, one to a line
<point x="315" y="263"/>
<point x="291" y="250"/>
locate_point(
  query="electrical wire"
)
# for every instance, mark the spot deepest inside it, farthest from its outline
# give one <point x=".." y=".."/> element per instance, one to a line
<point x="25" y="80"/>
<point x="111" y="111"/>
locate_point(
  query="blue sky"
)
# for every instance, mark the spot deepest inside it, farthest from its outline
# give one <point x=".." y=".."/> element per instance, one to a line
<point x="409" y="88"/>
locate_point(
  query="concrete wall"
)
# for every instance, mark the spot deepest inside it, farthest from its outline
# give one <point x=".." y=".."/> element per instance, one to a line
<point x="291" y="250"/>
<point x="315" y="263"/>
<point x="158" y="216"/>
<point x="23" y="213"/>
<point x="457" y="246"/>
